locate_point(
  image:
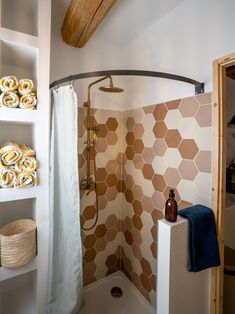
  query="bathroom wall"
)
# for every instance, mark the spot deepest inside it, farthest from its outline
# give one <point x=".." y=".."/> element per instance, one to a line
<point x="167" y="145"/>
<point x="141" y="154"/>
<point x="101" y="245"/>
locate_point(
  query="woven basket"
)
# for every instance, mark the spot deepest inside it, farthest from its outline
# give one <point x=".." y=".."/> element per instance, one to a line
<point x="18" y="243"/>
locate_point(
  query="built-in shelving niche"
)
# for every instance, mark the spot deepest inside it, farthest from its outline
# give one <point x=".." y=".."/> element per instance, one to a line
<point x="18" y="294"/>
<point x="18" y="60"/>
<point x="13" y="210"/>
<point x="20" y="15"/>
<point x="20" y="133"/>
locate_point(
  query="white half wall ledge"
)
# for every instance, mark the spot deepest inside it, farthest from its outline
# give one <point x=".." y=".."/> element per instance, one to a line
<point x="178" y="290"/>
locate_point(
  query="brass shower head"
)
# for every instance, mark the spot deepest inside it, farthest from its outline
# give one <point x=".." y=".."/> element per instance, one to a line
<point x="111" y="88"/>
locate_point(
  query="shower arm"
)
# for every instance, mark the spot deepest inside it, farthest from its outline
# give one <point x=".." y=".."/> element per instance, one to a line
<point x="88" y="104"/>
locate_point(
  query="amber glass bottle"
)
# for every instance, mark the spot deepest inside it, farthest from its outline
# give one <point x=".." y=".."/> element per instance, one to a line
<point x="171" y="208"/>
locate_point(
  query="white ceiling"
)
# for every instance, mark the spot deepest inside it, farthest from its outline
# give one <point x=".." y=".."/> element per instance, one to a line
<point x="128" y="18"/>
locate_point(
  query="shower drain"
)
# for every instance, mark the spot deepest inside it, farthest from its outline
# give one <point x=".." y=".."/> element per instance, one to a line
<point x="116" y="292"/>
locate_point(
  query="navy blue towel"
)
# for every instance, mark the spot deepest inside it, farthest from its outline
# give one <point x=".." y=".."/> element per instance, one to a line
<point x="203" y="245"/>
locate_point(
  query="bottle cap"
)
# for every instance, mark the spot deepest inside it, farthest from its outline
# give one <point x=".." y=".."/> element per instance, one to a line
<point x="172" y="194"/>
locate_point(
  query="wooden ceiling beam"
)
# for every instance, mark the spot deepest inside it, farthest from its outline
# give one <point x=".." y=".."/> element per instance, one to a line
<point x="82" y="19"/>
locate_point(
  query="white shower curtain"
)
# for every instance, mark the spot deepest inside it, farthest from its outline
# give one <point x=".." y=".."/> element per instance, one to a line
<point x="65" y="268"/>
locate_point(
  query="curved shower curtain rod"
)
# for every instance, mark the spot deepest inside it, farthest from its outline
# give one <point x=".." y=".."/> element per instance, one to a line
<point x="199" y="87"/>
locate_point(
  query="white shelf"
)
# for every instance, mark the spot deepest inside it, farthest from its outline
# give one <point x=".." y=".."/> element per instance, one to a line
<point x="20" y="15"/>
<point x="13" y="194"/>
<point x="7" y="273"/>
<point x="18" y="295"/>
<point x="18" y="115"/>
<point x="18" y="38"/>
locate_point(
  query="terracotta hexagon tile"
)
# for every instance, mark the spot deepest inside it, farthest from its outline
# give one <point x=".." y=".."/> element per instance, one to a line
<point x="100" y="244"/>
<point x="111" y="221"/>
<point x="174" y="104"/>
<point x="111" y="180"/>
<point x="129" y="195"/>
<point x="111" y="193"/>
<point x="146" y="267"/>
<point x="93" y="122"/>
<point x="138" y="130"/>
<point x="128" y="237"/>
<point x="137" y="222"/>
<point x="138" y="146"/>
<point x="147" y="171"/>
<point x="81" y="160"/>
<point x="154" y="232"/>
<point x="188" y="170"/>
<point x="203" y="161"/>
<point x="111" y="166"/>
<point x="136" y="236"/>
<point x="204" y="116"/>
<point x="145" y="282"/>
<point x="154" y="249"/>
<point x="100" y="231"/>
<point x="153" y="280"/>
<point x="159" y="112"/>
<point x="128" y="224"/>
<point x="204" y="99"/>
<point x="111" y="234"/>
<point x="111" y="260"/>
<point x="159" y="129"/>
<point x="188" y="149"/>
<point x="157" y="213"/>
<point x="173" y="138"/>
<point x="112" y="124"/>
<point x="81" y="130"/>
<point x="89" y="241"/>
<point x="136" y="251"/>
<point x="130" y="122"/>
<point x="138" y="192"/>
<point x="172" y="177"/>
<point x="130" y="138"/>
<point x="147" y="204"/>
<point x="130" y="152"/>
<point x="158" y="200"/>
<point x="101" y="145"/>
<point x="89" y="255"/>
<point x="128" y="264"/>
<point x="148" y="155"/>
<point x="159" y="147"/>
<point x="129" y="181"/>
<point x="102" y="131"/>
<point x="188" y="107"/>
<point x="89" y="212"/>
<point x="102" y="202"/>
<point x="138" y="209"/>
<point x="89" y="269"/>
<point x="138" y="161"/>
<point x="149" y="109"/>
<point x="111" y="138"/>
<point x="183" y="204"/>
<point x="101" y="188"/>
<point x="101" y="174"/>
<point x="159" y="182"/>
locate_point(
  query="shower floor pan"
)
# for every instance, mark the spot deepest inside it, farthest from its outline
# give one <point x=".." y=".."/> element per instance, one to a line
<point x="128" y="300"/>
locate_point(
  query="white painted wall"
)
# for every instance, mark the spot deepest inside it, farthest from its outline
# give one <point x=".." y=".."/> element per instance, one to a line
<point x="184" y="41"/>
<point x="178" y="290"/>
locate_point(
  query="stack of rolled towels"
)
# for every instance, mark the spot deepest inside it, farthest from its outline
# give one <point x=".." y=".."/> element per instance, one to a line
<point x="17" y="94"/>
<point x="18" y="166"/>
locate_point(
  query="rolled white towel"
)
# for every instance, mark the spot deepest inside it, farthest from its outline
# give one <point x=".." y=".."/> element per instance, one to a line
<point x="26" y="86"/>
<point x="27" y="150"/>
<point x="7" y="178"/>
<point x="10" y="154"/>
<point x="27" y="164"/>
<point x="28" y="101"/>
<point x="9" y="99"/>
<point x="26" y="179"/>
<point x="9" y="83"/>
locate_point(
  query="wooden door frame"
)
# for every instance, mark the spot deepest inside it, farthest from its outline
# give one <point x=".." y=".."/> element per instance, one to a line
<point x="219" y="172"/>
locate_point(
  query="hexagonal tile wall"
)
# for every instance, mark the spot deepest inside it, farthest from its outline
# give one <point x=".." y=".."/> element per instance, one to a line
<point x="141" y="154"/>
